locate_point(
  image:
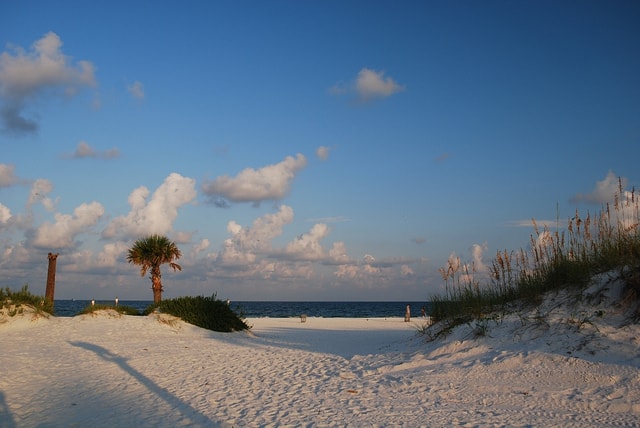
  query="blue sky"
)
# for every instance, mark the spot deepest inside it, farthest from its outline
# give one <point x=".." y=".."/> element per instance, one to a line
<point x="334" y="150"/>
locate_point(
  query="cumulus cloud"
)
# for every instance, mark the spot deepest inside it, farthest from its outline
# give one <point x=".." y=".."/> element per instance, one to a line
<point x="477" y="252"/>
<point x="199" y="248"/>
<point x="246" y="242"/>
<point x="363" y="274"/>
<point x="84" y="150"/>
<point x="372" y="84"/>
<point x="272" y="182"/>
<point x="604" y="191"/>
<point x="5" y="214"/>
<point x="26" y="76"/>
<point x="63" y="232"/>
<point x="136" y="89"/>
<point x="182" y="237"/>
<point x="405" y="270"/>
<point x="307" y="246"/>
<point x="370" y="272"/>
<point x="338" y="253"/>
<point x="39" y="192"/>
<point x="7" y="176"/>
<point x="369" y="85"/>
<point x="111" y="254"/>
<point x="250" y="251"/>
<point x="156" y="215"/>
<point x="612" y="190"/>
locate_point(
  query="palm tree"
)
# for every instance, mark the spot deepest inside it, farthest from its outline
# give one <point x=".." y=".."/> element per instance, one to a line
<point x="151" y="252"/>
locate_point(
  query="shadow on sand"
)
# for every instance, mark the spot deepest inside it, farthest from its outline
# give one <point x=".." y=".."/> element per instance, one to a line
<point x="195" y="417"/>
<point x="6" y="420"/>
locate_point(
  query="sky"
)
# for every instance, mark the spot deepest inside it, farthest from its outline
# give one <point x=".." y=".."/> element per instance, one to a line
<point x="304" y="150"/>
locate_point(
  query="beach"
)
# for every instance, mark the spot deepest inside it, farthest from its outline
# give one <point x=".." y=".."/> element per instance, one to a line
<point x="107" y="369"/>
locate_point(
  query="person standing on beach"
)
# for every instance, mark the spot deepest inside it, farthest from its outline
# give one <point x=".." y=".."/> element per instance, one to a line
<point x="407" y="314"/>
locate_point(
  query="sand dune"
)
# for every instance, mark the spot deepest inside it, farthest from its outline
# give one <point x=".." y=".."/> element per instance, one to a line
<point x="111" y="370"/>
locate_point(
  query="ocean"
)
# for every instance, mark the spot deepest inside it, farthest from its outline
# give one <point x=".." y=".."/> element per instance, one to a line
<point x="68" y="308"/>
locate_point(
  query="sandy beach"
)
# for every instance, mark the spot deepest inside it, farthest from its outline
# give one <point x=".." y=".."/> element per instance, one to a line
<point x="106" y="370"/>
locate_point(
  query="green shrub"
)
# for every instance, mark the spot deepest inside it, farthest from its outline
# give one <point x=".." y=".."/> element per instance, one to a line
<point x="10" y="298"/>
<point x="205" y="312"/>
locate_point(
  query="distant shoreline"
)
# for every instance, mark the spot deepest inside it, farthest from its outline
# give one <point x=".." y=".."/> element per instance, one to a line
<point x="277" y="309"/>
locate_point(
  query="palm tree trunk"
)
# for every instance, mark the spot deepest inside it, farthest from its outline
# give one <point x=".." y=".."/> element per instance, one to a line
<point x="156" y="281"/>
<point x="51" y="278"/>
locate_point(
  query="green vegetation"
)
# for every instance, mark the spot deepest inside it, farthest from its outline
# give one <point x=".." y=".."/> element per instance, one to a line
<point x="205" y="312"/>
<point x="150" y="253"/>
<point x="608" y="241"/>
<point x="13" y="300"/>
<point x="122" y="309"/>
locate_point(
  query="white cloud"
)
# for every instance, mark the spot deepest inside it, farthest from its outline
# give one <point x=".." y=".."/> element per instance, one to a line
<point x="136" y="89"/>
<point x="363" y="274"/>
<point x="198" y="248"/>
<point x="307" y="246"/>
<point x="182" y="237"/>
<point x="5" y="214"/>
<point x="245" y="243"/>
<point x="338" y="253"/>
<point x="372" y="84"/>
<point x="26" y="76"/>
<point x="369" y="85"/>
<point x="63" y="232"/>
<point x="84" y="150"/>
<point x="111" y="254"/>
<point x="623" y="203"/>
<point x="477" y="252"/>
<point x="7" y="177"/>
<point x="272" y="182"/>
<point x="40" y="190"/>
<point x="405" y="270"/>
<point x="156" y="216"/>
<point x="604" y="191"/>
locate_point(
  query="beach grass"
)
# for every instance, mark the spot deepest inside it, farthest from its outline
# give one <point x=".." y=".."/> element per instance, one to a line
<point x="13" y="301"/>
<point x="564" y="258"/>
<point x="205" y="312"/>
<point x="122" y="309"/>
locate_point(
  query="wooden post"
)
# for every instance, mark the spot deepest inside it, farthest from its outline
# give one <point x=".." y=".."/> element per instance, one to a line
<point x="51" y="278"/>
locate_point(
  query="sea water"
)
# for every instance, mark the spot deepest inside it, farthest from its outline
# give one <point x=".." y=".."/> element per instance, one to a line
<point x="68" y="308"/>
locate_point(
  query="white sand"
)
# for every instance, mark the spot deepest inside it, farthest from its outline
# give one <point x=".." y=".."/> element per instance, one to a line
<point x="109" y="370"/>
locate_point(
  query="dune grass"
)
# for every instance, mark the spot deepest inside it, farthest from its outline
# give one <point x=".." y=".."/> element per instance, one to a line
<point x="555" y="259"/>
<point x="14" y="300"/>
<point x="122" y="309"/>
<point x="205" y="312"/>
